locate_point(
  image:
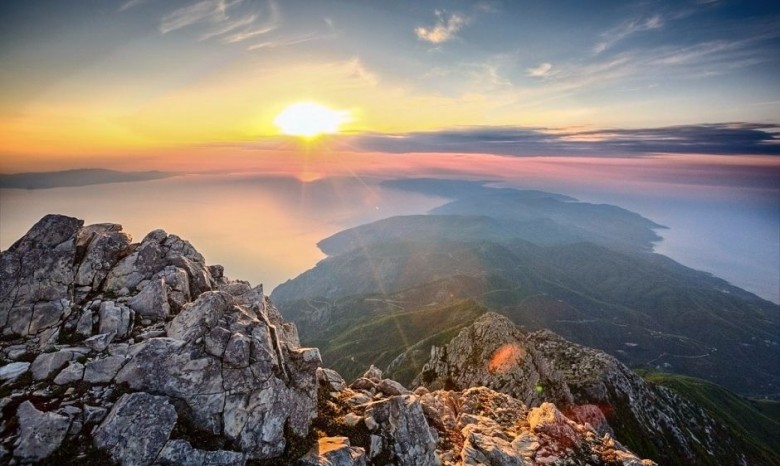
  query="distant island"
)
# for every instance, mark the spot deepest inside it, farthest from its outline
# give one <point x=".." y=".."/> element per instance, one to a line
<point x="76" y="177"/>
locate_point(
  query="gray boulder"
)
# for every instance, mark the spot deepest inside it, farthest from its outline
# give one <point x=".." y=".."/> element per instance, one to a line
<point x="99" y="342"/>
<point x="115" y="318"/>
<point x="103" y="370"/>
<point x="72" y="373"/>
<point x="152" y="301"/>
<point x="136" y="429"/>
<point x="405" y="432"/>
<point x="36" y="276"/>
<point x="13" y="370"/>
<point x="47" y="364"/>
<point x="40" y="434"/>
<point x="180" y="453"/>
<point x="103" y="244"/>
<point x="334" y="451"/>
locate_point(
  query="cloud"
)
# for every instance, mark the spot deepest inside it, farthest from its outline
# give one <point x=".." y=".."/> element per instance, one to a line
<point x="330" y="32"/>
<point x="540" y="71"/>
<point x="628" y="28"/>
<point x="206" y="10"/>
<point x="244" y="35"/>
<point x="272" y="44"/>
<point x="230" y="26"/>
<point x="717" y="139"/>
<point x="445" y="28"/>
<point x="131" y="4"/>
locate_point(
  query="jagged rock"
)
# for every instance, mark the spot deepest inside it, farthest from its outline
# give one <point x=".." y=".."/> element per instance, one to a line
<point x="178" y="285"/>
<point x="136" y="429"/>
<point x="104" y="245"/>
<point x="94" y="414"/>
<point x="497" y="355"/>
<point x="99" y="342"/>
<point x="36" y="276"/>
<point x="181" y="453"/>
<point x="13" y="370"/>
<point x="373" y="374"/>
<point x="15" y="351"/>
<point x="334" y="451"/>
<point x="40" y="433"/>
<point x="115" y="319"/>
<point x="103" y="370"/>
<point x="84" y="324"/>
<point x="199" y="316"/>
<point x="546" y="419"/>
<point x="404" y="430"/>
<point x="490" y="450"/>
<point x="391" y="388"/>
<point x="364" y="384"/>
<point x="152" y="301"/>
<point x="161" y="365"/>
<point x="332" y="378"/>
<point x="72" y="373"/>
<point x="146" y="260"/>
<point x="592" y="415"/>
<point x="243" y="394"/>
<point x="237" y="350"/>
<point x="47" y="364"/>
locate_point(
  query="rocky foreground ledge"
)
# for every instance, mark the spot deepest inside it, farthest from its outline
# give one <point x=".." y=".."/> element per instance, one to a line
<point x="141" y="354"/>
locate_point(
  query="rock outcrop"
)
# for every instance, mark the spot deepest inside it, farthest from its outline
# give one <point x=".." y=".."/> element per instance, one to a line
<point x="475" y="426"/>
<point x="141" y="354"/>
<point x="588" y="385"/>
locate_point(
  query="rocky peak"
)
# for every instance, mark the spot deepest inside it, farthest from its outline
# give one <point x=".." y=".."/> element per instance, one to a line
<point x="588" y="385"/>
<point x="494" y="353"/>
<point x="142" y="351"/>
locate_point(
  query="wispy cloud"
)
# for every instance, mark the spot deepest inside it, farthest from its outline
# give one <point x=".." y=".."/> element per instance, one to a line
<point x="230" y="26"/>
<point x="540" y="71"/>
<point x="446" y="27"/>
<point x="244" y="35"/>
<point x="272" y="44"/>
<point x="628" y="28"/>
<point x="206" y="10"/>
<point x="131" y="4"/>
<point x="330" y="32"/>
<point x="718" y="139"/>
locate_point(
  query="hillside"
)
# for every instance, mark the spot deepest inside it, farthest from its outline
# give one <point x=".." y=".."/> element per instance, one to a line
<point x="755" y="423"/>
<point x="643" y="308"/>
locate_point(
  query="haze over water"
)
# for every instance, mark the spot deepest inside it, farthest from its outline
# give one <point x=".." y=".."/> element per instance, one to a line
<point x="265" y="229"/>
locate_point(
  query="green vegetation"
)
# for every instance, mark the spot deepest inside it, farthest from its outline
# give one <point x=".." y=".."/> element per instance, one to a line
<point x="379" y="339"/>
<point x="645" y="309"/>
<point x="753" y="423"/>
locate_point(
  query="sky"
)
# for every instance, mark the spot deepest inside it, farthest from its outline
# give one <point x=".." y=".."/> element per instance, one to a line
<point x="89" y="82"/>
<point x="646" y="104"/>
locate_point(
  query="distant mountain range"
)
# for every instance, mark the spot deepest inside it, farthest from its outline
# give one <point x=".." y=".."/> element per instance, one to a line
<point x="544" y="260"/>
<point x="78" y="177"/>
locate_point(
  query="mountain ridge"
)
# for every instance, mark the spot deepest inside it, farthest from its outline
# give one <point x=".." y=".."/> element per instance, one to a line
<point x="141" y="353"/>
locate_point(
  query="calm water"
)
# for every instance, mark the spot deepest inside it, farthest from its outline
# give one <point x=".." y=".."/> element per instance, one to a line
<point x="265" y="230"/>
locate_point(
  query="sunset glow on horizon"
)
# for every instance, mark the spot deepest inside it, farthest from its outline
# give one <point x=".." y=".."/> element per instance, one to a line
<point x="131" y="79"/>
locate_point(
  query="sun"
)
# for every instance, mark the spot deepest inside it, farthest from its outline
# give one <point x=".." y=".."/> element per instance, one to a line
<point x="309" y="120"/>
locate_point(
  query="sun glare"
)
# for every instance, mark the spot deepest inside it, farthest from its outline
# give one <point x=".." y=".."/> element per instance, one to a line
<point x="308" y="120"/>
